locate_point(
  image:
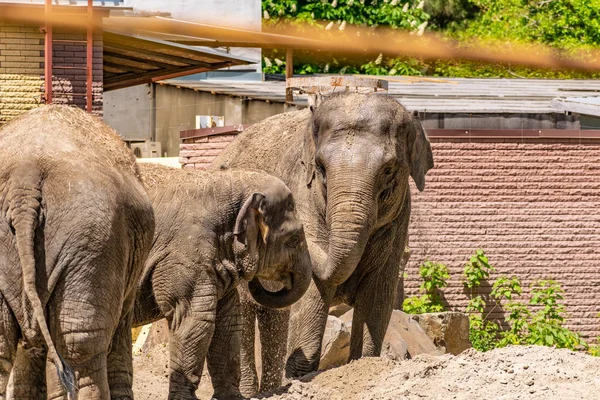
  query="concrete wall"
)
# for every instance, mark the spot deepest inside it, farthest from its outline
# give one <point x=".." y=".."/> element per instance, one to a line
<point x="176" y="110"/>
<point x="130" y="112"/>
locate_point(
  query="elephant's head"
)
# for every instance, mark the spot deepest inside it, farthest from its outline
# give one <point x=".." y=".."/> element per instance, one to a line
<point x="359" y="152"/>
<point x="269" y="227"/>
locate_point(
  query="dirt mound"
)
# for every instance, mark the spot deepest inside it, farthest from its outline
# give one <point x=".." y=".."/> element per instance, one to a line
<point x="510" y="373"/>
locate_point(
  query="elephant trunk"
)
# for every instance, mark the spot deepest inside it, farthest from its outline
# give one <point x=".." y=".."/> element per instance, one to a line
<point x="351" y="213"/>
<point x="299" y="279"/>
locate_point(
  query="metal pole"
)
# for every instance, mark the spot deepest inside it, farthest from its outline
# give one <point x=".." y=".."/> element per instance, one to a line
<point x="289" y="72"/>
<point x="48" y="54"/>
<point x="90" y="57"/>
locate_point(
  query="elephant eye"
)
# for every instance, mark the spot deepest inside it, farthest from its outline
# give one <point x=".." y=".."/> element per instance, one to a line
<point x="388" y="171"/>
<point x="294" y="241"/>
<point x="321" y="170"/>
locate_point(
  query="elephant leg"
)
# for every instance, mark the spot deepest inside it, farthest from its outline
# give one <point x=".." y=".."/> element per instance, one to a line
<point x="307" y="326"/>
<point x="9" y="338"/>
<point x="29" y="374"/>
<point x="224" y="353"/>
<point x="120" y="362"/>
<point x="84" y="312"/>
<point x="273" y="327"/>
<point x="191" y="328"/>
<point x="249" y="378"/>
<point x="372" y="311"/>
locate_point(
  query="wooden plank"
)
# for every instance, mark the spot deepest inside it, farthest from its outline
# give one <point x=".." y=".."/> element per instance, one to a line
<point x="133" y="65"/>
<point x="151" y="56"/>
<point x="132" y="79"/>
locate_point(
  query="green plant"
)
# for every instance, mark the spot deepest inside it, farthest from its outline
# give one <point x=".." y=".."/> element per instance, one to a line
<point x="477" y="269"/>
<point x="335" y="16"/>
<point x="434" y="277"/>
<point x="545" y="326"/>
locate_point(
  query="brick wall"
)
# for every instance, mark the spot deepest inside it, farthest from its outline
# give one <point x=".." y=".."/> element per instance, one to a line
<point x="534" y="207"/>
<point x="22" y="69"/>
<point x="200" y="152"/>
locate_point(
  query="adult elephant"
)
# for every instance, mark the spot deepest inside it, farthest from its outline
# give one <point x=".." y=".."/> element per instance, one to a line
<point x="76" y="226"/>
<point x="347" y="160"/>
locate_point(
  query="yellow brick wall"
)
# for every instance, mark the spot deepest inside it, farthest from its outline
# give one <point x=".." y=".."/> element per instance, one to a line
<point x="21" y="69"/>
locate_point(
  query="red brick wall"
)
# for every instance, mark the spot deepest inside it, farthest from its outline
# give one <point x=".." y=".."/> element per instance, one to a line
<point x="69" y="84"/>
<point x="22" y="69"/>
<point x="200" y="152"/>
<point x="533" y="207"/>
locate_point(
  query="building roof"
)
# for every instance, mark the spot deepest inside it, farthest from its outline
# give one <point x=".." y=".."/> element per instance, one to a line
<point x="434" y="95"/>
<point x="580" y="105"/>
<point x="132" y="60"/>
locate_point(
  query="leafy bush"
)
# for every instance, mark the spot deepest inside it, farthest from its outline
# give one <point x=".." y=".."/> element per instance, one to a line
<point x="567" y="25"/>
<point x="538" y="321"/>
<point x="526" y="326"/>
<point x="334" y="15"/>
<point x="434" y="278"/>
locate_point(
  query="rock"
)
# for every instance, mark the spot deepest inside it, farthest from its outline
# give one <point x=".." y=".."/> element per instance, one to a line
<point x="449" y="331"/>
<point x="404" y="338"/>
<point x="159" y="335"/>
<point x="335" y="347"/>
<point x="339" y="310"/>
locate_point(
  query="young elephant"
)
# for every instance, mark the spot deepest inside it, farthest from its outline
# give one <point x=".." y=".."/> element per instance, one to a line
<point x="75" y="228"/>
<point x="214" y="229"/>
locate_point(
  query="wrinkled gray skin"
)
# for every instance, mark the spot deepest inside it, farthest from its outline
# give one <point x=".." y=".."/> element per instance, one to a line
<point x="347" y="160"/>
<point x="75" y="229"/>
<point x="213" y="230"/>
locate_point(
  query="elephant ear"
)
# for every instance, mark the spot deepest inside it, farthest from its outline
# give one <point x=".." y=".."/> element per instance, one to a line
<point x="250" y="222"/>
<point x="420" y="155"/>
<point x="310" y="139"/>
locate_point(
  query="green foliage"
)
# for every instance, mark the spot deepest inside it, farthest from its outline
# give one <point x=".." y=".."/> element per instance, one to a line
<point x="434" y="278"/>
<point x="450" y="15"/>
<point x="567" y="25"/>
<point x="335" y="16"/>
<point x="538" y="321"/>
<point x="477" y="269"/>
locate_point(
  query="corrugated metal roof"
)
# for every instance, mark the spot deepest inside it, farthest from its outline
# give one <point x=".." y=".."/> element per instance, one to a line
<point x="435" y="95"/>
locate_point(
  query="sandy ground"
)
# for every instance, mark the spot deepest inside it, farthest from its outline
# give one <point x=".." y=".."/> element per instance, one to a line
<point x="511" y="373"/>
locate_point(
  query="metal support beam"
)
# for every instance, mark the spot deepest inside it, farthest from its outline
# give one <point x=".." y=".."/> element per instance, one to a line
<point x="90" y="57"/>
<point x="48" y="54"/>
<point x="289" y="73"/>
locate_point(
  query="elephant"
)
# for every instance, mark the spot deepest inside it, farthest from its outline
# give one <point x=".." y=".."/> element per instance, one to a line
<point x="347" y="159"/>
<point x="75" y="228"/>
<point x="213" y="230"/>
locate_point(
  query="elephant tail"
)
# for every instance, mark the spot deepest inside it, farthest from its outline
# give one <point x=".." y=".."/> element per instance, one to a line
<point x="25" y="215"/>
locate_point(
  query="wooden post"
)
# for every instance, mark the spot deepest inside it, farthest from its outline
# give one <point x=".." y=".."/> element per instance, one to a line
<point x="289" y="72"/>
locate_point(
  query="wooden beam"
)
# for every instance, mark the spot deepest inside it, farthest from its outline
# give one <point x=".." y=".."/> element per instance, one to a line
<point x="132" y="79"/>
<point x="128" y="62"/>
<point x="140" y="59"/>
<point x="115" y="69"/>
<point x="170" y="49"/>
<point x="146" y="55"/>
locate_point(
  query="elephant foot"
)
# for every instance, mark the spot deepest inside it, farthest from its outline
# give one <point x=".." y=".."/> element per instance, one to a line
<point x="299" y="365"/>
<point x="180" y="388"/>
<point x="227" y="396"/>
